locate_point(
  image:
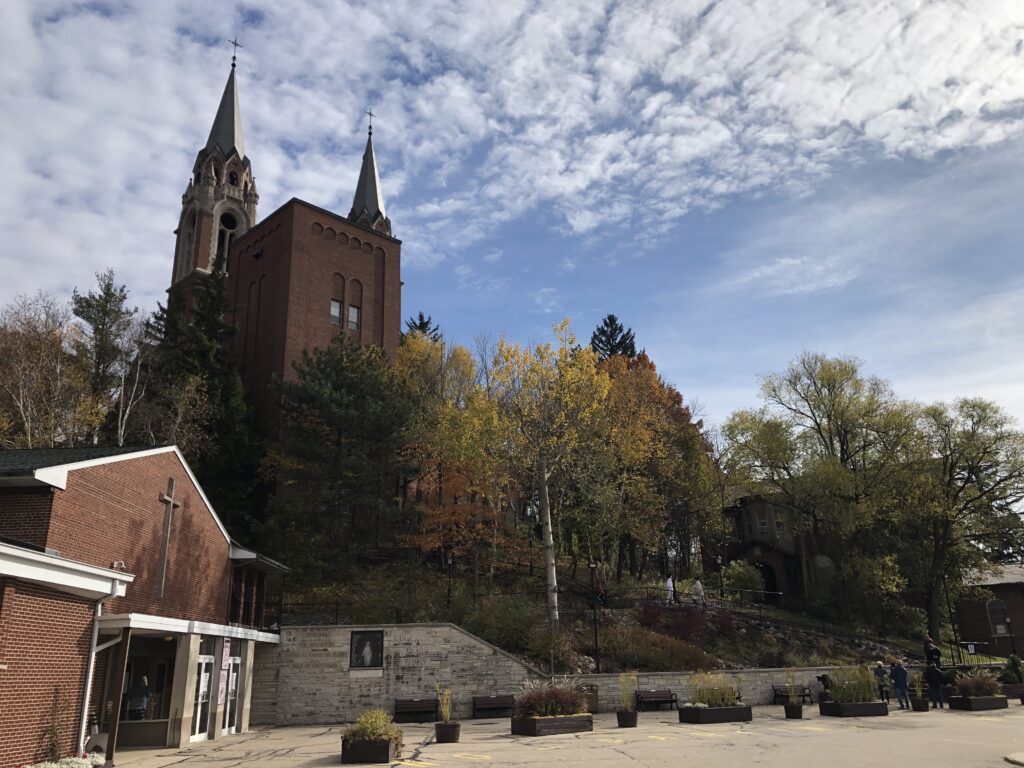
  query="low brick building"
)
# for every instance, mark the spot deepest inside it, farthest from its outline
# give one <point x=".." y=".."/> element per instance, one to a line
<point x="128" y="616"/>
<point x="994" y="622"/>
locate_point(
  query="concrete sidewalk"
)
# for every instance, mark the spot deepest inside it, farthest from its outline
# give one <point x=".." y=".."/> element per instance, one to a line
<point x="940" y="739"/>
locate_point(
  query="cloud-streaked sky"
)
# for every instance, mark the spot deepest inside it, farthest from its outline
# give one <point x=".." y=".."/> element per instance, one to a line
<point x="738" y="180"/>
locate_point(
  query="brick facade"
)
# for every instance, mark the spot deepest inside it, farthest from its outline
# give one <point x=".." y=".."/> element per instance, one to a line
<point x="112" y="513"/>
<point x="974" y="625"/>
<point x="286" y="271"/>
<point x="44" y="645"/>
<point x="26" y="514"/>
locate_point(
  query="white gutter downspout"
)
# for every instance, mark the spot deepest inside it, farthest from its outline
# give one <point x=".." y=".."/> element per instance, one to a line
<point x="91" y="666"/>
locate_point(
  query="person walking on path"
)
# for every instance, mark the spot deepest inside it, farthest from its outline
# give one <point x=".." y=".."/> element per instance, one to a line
<point x="882" y="676"/>
<point x="933" y="676"/>
<point x="898" y="675"/>
<point x="670" y="590"/>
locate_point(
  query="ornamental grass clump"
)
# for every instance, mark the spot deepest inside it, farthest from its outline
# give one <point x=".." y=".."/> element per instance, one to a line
<point x="551" y="698"/>
<point x="713" y="690"/>
<point x="444" y="703"/>
<point x="917" y="684"/>
<point x="627" y="689"/>
<point x="375" y="725"/>
<point x="1013" y="671"/>
<point x="853" y="686"/>
<point x="978" y="682"/>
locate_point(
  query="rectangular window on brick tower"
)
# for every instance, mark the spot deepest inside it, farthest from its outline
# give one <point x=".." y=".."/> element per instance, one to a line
<point x="353" y="318"/>
<point x="335" y="312"/>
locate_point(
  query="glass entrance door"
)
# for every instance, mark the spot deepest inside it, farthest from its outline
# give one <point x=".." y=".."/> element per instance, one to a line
<point x="231" y="704"/>
<point x="201" y="707"/>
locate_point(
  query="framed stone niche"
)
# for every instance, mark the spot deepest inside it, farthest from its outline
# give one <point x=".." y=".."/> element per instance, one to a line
<point x="366" y="649"/>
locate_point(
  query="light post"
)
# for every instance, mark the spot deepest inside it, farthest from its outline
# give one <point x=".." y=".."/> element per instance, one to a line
<point x="1013" y="641"/>
<point x="449" y="602"/>
<point x="593" y="608"/>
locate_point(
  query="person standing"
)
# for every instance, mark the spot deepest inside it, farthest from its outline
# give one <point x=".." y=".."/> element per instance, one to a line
<point x="933" y="676"/>
<point x="898" y="675"/>
<point x="934" y="655"/>
<point x="670" y="590"/>
<point x="138" y="699"/>
<point x="882" y="676"/>
<point x="698" y="593"/>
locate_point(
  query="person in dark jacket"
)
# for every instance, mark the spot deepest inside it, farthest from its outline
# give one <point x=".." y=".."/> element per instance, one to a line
<point x="898" y="675"/>
<point x="933" y="676"/>
<point x="882" y="677"/>
<point x="934" y="655"/>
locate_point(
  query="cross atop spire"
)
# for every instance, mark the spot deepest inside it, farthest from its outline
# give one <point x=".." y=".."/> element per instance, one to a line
<point x="234" y="53"/>
<point x="370" y="113"/>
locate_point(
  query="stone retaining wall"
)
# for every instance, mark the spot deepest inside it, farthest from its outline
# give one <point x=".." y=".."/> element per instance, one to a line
<point x="306" y="679"/>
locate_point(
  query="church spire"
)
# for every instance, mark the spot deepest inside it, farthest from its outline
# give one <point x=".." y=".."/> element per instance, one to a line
<point x="226" y="132"/>
<point x="368" y="203"/>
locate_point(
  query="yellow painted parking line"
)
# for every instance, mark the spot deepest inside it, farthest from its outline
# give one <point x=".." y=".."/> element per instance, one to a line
<point x="780" y="730"/>
<point x="471" y="756"/>
<point x="608" y="740"/>
<point x="813" y="728"/>
<point x="414" y="762"/>
<point x="745" y="733"/>
<point x="663" y="738"/>
<point x="552" y="746"/>
<point x="705" y="734"/>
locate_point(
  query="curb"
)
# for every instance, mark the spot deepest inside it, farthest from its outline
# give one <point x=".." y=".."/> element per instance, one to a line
<point x="1016" y="758"/>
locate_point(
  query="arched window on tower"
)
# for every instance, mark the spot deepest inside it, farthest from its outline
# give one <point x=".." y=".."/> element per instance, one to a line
<point x="233" y="179"/>
<point x="225" y="235"/>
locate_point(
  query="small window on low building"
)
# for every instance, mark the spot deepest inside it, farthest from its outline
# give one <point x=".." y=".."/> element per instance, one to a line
<point x="780" y="527"/>
<point x="762" y="521"/>
<point x="335" y="312"/>
<point x="353" y="318"/>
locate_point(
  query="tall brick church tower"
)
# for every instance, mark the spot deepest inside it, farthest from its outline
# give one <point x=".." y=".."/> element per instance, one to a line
<point x="219" y="204"/>
<point x="296" y="279"/>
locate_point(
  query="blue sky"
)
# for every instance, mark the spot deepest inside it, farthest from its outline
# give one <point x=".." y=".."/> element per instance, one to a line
<point x="737" y="180"/>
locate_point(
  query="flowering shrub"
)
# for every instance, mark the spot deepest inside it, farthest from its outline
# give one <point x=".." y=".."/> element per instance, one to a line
<point x="85" y="761"/>
<point x="979" y="683"/>
<point x="542" y="698"/>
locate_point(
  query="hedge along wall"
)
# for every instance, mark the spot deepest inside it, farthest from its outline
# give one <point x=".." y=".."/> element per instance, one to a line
<point x="307" y="679"/>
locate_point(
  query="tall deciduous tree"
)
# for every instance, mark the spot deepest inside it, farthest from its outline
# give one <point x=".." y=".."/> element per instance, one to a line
<point x="551" y="396"/>
<point x="612" y="338"/>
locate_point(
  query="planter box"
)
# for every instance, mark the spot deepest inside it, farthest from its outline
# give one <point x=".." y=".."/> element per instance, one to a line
<point x="978" y="703"/>
<point x="709" y="715"/>
<point x="918" y="705"/>
<point x="794" y="711"/>
<point x="853" y="708"/>
<point x="367" y="751"/>
<point x="626" y="719"/>
<point x="549" y="726"/>
<point x="447" y="733"/>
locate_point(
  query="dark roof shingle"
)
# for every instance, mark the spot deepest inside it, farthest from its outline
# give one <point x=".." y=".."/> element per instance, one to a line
<point x="21" y="461"/>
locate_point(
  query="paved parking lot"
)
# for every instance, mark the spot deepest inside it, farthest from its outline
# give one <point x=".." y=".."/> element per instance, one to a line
<point x="937" y="739"/>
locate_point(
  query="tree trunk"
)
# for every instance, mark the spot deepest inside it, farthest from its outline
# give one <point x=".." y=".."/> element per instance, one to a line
<point x="933" y="608"/>
<point x="549" y="544"/>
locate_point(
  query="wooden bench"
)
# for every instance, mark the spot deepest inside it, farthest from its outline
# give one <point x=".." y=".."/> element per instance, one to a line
<point x="416" y="710"/>
<point x="493" y="704"/>
<point x="656" y="698"/>
<point x="780" y="694"/>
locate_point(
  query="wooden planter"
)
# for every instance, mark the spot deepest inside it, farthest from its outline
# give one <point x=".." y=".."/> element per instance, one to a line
<point x="626" y="719"/>
<point x="447" y="733"/>
<point x="710" y="715"/>
<point x="918" y="705"/>
<point x="978" y="703"/>
<point x="794" y="711"/>
<point x="853" y="708"/>
<point x="549" y="726"/>
<point x="367" y="751"/>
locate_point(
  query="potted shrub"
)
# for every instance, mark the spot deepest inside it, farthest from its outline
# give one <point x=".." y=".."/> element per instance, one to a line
<point x="714" y="700"/>
<point x="918" y="700"/>
<point x="1012" y="677"/>
<point x="546" y="707"/>
<point x="976" y="691"/>
<point x="626" y="714"/>
<point x="794" y="706"/>
<point x="853" y="693"/>
<point x="373" y="739"/>
<point x="446" y="731"/>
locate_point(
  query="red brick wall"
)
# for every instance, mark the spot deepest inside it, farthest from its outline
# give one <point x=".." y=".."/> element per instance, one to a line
<point x="281" y="285"/>
<point x="44" y="642"/>
<point x="973" y="622"/>
<point x="25" y="514"/>
<point x="111" y="512"/>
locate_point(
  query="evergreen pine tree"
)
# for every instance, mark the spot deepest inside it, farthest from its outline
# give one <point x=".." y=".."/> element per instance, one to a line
<point x="612" y="338"/>
<point x="422" y="324"/>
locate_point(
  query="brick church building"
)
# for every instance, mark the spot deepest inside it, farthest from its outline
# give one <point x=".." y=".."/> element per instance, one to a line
<point x="128" y="615"/>
<point x="295" y="279"/>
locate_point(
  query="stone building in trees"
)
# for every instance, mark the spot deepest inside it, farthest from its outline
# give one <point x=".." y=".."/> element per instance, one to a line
<point x="297" y="278"/>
